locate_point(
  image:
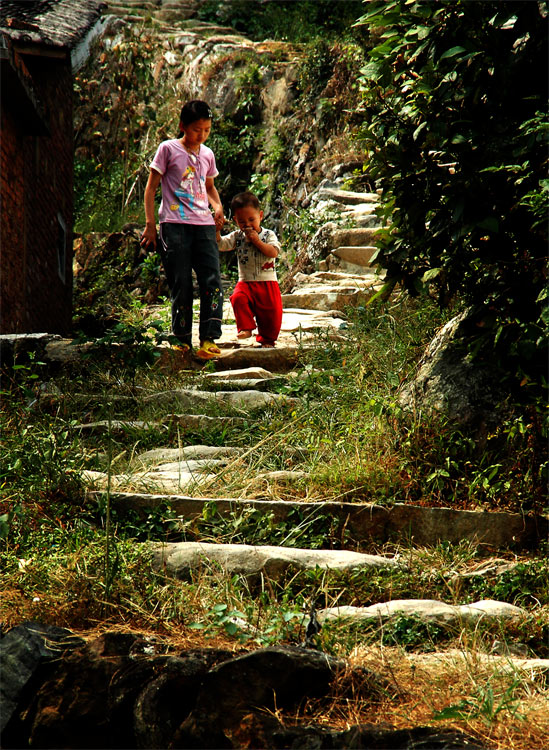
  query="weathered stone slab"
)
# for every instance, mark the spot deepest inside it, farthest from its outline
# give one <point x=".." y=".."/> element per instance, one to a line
<point x="346" y="196"/>
<point x="186" y="453"/>
<point x="251" y="384"/>
<point x="188" y="421"/>
<point x="180" y="557"/>
<point x="245" y="374"/>
<point x="355" y="237"/>
<point x="358" y="256"/>
<point x="311" y="322"/>
<point x="327" y="298"/>
<point x="190" y="399"/>
<point x="320" y="296"/>
<point x="116" y="425"/>
<point x="507" y="663"/>
<point x="366" y="522"/>
<point x="46" y="347"/>
<point x="278" y="359"/>
<point x="314" y="314"/>
<point x="166" y="479"/>
<point x="427" y="610"/>
<point x="200" y="421"/>
<point x="333" y="279"/>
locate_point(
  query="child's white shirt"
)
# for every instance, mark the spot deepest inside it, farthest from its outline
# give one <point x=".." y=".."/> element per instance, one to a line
<point x="252" y="264"/>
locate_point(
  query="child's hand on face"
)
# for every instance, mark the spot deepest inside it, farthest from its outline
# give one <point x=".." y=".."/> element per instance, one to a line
<point x="251" y="234"/>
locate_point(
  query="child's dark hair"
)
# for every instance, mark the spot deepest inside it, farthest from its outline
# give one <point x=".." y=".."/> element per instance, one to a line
<point x="245" y="199"/>
<point x="195" y="110"/>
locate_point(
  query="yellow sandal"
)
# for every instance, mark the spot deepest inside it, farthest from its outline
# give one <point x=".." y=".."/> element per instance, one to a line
<point x="208" y="350"/>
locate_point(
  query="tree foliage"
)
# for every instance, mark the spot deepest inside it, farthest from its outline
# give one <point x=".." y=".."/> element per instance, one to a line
<point x="291" y="20"/>
<point x="456" y="127"/>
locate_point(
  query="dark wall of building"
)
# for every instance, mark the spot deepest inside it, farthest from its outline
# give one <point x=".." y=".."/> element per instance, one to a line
<point x="37" y="206"/>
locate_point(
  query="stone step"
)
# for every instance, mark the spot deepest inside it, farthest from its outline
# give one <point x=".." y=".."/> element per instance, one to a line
<point x="179" y="558"/>
<point x="276" y="360"/>
<point x="247" y="400"/>
<point x="325" y="297"/>
<point x="135" y="15"/>
<point x="196" y="422"/>
<point x="315" y="321"/>
<point x="158" y="456"/>
<point x="362" y="214"/>
<point x="356" y="255"/>
<point x="247" y="384"/>
<point x="179" y="4"/>
<point x="132" y="5"/>
<point x="371" y="523"/>
<point x="358" y="236"/>
<point x="500" y="663"/>
<point x="168" y="469"/>
<point x="347" y="197"/>
<point x="426" y="610"/>
<point x="332" y="278"/>
<point x="244" y="374"/>
<point x="172" y="15"/>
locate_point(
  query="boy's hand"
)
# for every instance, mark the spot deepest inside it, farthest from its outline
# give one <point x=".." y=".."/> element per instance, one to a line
<point x="251" y="235"/>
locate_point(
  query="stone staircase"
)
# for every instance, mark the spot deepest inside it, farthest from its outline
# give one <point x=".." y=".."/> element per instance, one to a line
<point x="245" y="385"/>
<point x="191" y="478"/>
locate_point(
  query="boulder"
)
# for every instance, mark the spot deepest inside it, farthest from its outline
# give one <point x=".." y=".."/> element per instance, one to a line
<point x="447" y="381"/>
<point x="24" y="652"/>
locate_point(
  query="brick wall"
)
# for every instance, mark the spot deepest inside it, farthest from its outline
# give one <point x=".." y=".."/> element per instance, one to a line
<point x="37" y="199"/>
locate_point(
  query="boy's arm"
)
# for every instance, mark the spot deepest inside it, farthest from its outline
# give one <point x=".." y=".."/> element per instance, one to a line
<point x="226" y="243"/>
<point x="215" y="202"/>
<point x="149" y="234"/>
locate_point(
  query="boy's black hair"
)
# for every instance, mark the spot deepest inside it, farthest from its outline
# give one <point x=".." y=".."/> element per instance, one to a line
<point x="195" y="110"/>
<point x="245" y="199"/>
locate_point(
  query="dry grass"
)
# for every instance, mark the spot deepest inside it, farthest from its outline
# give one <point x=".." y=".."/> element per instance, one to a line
<point x="422" y="685"/>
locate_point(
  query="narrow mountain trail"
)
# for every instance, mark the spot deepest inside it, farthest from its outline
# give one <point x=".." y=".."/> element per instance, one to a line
<point x="265" y="509"/>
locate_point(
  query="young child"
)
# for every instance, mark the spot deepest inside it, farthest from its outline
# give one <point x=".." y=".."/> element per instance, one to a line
<point x="186" y="168"/>
<point x="256" y="298"/>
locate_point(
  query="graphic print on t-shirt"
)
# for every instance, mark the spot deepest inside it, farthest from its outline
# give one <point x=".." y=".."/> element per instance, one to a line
<point x="185" y="190"/>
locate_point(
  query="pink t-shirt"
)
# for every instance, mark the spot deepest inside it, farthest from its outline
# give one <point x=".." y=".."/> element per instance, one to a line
<point x="184" y="197"/>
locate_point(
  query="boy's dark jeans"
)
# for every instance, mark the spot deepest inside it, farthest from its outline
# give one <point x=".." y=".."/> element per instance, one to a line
<point x="185" y="247"/>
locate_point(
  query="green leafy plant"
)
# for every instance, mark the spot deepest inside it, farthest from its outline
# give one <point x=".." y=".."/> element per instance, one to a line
<point x="486" y="704"/>
<point x="457" y="141"/>
<point x="251" y="526"/>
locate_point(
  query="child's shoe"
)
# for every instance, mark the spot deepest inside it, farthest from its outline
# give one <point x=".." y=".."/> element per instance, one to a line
<point x="184" y="348"/>
<point x="208" y="350"/>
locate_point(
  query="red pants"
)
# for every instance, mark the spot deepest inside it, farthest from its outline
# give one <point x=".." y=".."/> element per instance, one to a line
<point x="261" y="302"/>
